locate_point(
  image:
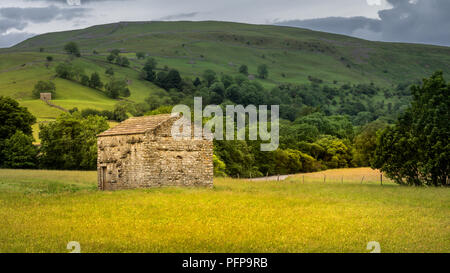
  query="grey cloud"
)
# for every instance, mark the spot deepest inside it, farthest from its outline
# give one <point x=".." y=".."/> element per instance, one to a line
<point x="73" y="1"/>
<point x="41" y="15"/>
<point x="7" y="24"/>
<point x="11" y="39"/>
<point x="179" y="16"/>
<point x="426" y="21"/>
<point x="420" y="21"/>
<point x="341" y="25"/>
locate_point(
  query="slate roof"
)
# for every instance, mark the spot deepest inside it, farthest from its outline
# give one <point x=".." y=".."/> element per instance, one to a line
<point x="136" y="125"/>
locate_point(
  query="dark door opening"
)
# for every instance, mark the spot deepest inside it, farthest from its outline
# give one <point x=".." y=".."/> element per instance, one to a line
<point x="103" y="178"/>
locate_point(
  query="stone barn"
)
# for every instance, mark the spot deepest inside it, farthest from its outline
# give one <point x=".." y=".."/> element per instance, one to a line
<point x="140" y="152"/>
<point x="46" y="96"/>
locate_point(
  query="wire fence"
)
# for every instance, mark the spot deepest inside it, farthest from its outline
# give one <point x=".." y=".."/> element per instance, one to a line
<point x="363" y="176"/>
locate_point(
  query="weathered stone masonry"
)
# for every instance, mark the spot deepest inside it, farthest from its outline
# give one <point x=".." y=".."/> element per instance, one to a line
<point x="140" y="152"/>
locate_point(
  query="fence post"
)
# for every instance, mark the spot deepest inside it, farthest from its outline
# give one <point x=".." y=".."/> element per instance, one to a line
<point x="278" y="179"/>
<point x="381" y="179"/>
<point x="324" y="178"/>
<point x="362" y="179"/>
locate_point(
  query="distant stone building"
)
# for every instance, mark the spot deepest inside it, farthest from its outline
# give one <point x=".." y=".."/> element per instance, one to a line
<point x="140" y="152"/>
<point x="46" y="96"/>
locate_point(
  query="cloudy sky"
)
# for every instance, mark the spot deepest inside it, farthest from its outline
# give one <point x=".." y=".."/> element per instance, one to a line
<point x="417" y="21"/>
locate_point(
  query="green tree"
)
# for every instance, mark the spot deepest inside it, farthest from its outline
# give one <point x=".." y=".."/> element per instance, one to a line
<point x="13" y="118"/>
<point x="150" y="64"/>
<point x="197" y="82"/>
<point x="123" y="61"/>
<point x="157" y="99"/>
<point x="70" y="142"/>
<point x="84" y="80"/>
<point x="115" y="52"/>
<point x="19" y="152"/>
<point x="263" y="71"/>
<point x="336" y="153"/>
<point x="416" y="150"/>
<point x="147" y="71"/>
<point x="173" y="80"/>
<point x="116" y="88"/>
<point x="72" y="48"/>
<point x="140" y="55"/>
<point x="233" y="93"/>
<point x="227" y="80"/>
<point x="109" y="71"/>
<point x="243" y="69"/>
<point x="120" y="113"/>
<point x="43" y="87"/>
<point x="219" y="167"/>
<point x="111" y="57"/>
<point x="209" y="76"/>
<point x="95" y="81"/>
<point x="65" y="71"/>
<point x="238" y="158"/>
<point x="366" y="141"/>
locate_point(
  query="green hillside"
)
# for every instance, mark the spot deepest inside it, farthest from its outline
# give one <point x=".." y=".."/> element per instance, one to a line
<point x="291" y="54"/>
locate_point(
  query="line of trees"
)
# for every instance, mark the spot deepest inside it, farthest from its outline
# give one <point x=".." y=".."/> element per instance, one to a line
<point x="262" y="71"/>
<point x="70" y="142"/>
<point x="113" y="89"/>
<point x="116" y="58"/>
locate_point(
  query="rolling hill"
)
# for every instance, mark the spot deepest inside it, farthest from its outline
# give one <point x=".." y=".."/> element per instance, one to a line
<point x="292" y="54"/>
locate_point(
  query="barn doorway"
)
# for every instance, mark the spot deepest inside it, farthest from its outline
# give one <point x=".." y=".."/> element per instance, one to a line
<point x="103" y="178"/>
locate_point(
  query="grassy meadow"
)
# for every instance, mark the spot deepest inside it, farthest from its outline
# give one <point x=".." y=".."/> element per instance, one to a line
<point x="41" y="211"/>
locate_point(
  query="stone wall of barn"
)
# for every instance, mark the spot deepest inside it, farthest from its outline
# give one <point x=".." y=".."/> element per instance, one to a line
<point x="153" y="159"/>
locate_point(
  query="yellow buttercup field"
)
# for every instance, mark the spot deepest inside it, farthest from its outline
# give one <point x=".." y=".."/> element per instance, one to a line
<point x="331" y="211"/>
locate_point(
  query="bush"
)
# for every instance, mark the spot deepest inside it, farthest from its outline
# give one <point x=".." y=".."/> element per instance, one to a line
<point x="122" y="61"/>
<point x="160" y="110"/>
<point x="219" y="167"/>
<point x="95" y="82"/>
<point x="109" y="71"/>
<point x="43" y="87"/>
<point x="65" y="71"/>
<point x="84" y="80"/>
<point x="140" y="55"/>
<point x="71" y="48"/>
<point x="263" y="71"/>
<point x="70" y="142"/>
<point x="120" y="113"/>
<point x="19" y="152"/>
<point x="116" y="88"/>
<point x="243" y="69"/>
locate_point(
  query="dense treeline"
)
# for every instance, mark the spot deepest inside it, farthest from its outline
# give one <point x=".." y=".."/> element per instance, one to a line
<point x="70" y="142"/>
<point x="360" y="102"/>
<point x="322" y="127"/>
<point x="113" y="89"/>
